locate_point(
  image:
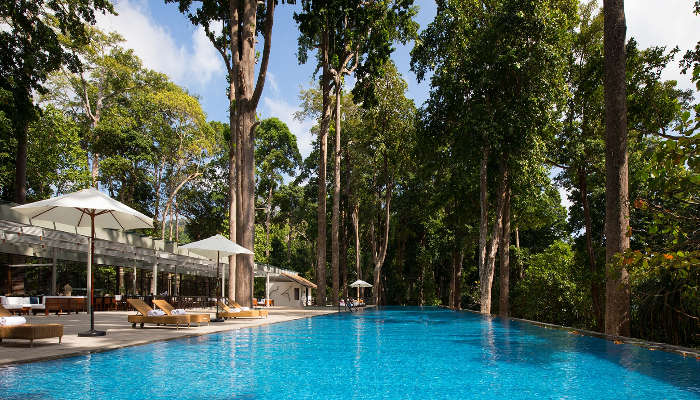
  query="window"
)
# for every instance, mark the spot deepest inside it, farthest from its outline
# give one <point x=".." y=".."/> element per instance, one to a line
<point x="296" y="293"/>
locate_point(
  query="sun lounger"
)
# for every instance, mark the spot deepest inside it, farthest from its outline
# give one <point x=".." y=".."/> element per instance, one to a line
<point x="168" y="309"/>
<point x="29" y="332"/>
<point x="144" y="318"/>
<point x="231" y="313"/>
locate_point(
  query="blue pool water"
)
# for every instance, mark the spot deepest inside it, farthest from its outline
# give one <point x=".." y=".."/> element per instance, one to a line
<point x="393" y="353"/>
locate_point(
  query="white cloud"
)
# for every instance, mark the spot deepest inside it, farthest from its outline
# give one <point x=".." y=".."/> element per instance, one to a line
<point x="271" y="79"/>
<point x="301" y="129"/>
<point x="206" y="61"/>
<point x="155" y="45"/>
<point x="667" y="23"/>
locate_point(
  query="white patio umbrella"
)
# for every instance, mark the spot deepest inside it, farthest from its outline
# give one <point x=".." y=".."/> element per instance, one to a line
<point x="214" y="247"/>
<point x="358" y="284"/>
<point x="87" y="208"/>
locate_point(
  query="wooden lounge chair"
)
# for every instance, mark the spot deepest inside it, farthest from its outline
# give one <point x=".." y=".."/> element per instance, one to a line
<point x="29" y="331"/>
<point x="144" y="318"/>
<point x="229" y="313"/>
<point x="168" y="309"/>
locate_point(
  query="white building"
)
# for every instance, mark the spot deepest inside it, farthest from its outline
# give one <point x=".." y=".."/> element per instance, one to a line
<point x="289" y="290"/>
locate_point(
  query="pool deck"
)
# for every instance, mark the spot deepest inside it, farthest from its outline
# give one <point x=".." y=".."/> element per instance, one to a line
<point x="121" y="334"/>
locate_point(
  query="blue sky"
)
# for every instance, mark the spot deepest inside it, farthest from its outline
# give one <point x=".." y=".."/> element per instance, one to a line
<point x="167" y="42"/>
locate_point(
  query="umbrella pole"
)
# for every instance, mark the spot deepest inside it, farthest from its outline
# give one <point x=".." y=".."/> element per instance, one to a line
<point x="91" y="290"/>
<point x="217" y="319"/>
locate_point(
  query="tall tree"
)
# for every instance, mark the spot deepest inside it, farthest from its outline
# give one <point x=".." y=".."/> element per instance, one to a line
<point x="232" y="27"/>
<point x="31" y="49"/>
<point x="276" y="153"/>
<point x="579" y="148"/>
<point x="508" y="92"/>
<point x="347" y="34"/>
<point x="617" y="240"/>
<point x="108" y="72"/>
<point x="384" y="145"/>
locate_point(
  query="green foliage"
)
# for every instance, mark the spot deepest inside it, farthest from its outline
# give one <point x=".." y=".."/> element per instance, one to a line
<point x="205" y="205"/>
<point x="356" y="33"/>
<point x="551" y="290"/>
<point x="276" y="153"/>
<point x="31" y="48"/>
<point x="58" y="162"/>
<point x="665" y="297"/>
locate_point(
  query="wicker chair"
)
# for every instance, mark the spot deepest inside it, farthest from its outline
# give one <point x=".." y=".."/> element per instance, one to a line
<point x="229" y="313"/>
<point x="144" y="318"/>
<point x="168" y="309"/>
<point x="29" y="332"/>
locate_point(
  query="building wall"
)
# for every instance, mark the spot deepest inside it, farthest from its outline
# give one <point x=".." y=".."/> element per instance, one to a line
<point x="283" y="294"/>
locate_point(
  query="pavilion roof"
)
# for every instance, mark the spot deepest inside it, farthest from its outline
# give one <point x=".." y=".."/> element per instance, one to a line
<point x="112" y="247"/>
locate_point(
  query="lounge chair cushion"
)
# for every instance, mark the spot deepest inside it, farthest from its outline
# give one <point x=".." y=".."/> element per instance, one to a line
<point x="11" y="321"/>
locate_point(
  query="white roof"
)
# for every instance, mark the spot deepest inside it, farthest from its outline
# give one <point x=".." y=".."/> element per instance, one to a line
<point x="73" y="209"/>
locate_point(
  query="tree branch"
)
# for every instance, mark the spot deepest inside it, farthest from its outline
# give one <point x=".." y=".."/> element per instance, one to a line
<point x="269" y="20"/>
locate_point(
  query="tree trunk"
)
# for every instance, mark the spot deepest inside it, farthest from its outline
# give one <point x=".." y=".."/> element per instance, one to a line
<point x="246" y="212"/>
<point x="504" y="270"/>
<point x="517" y="238"/>
<point x="232" y="192"/>
<point x="484" y="205"/>
<point x="343" y="262"/>
<point x="617" y="292"/>
<point x="379" y="255"/>
<point x="21" y="164"/>
<point x="156" y="213"/>
<point x="486" y="276"/>
<point x="268" y="212"/>
<point x="335" y="218"/>
<point x="595" y="287"/>
<point x="289" y="242"/>
<point x="457" y="273"/>
<point x="321" y="211"/>
<point x="169" y="203"/>
<point x="356" y="231"/>
<point x="95" y="170"/>
<point x="177" y="224"/>
<point x="170" y="227"/>
<point x="247" y="92"/>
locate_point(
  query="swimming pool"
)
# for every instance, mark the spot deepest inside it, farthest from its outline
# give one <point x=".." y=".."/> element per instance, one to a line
<point x="392" y="353"/>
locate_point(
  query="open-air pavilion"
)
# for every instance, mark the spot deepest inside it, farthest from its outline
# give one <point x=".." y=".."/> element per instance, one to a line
<point x="136" y="258"/>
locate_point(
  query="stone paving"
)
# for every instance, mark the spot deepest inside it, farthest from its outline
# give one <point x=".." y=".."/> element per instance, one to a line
<point x="121" y="334"/>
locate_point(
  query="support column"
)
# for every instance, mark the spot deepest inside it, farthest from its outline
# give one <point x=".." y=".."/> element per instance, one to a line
<point x="121" y="287"/>
<point x="154" y="281"/>
<point x="267" y="289"/>
<point x="89" y="277"/>
<point x="223" y="280"/>
<point x="134" y="288"/>
<point x="53" y="273"/>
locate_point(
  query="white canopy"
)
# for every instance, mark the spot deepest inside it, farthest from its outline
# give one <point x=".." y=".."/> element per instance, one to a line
<point x="360" y="283"/>
<point x="87" y="208"/>
<point x="214" y="246"/>
<point x="75" y="208"/>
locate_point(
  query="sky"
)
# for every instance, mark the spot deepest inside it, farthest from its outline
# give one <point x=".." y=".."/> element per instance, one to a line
<point x="167" y="42"/>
